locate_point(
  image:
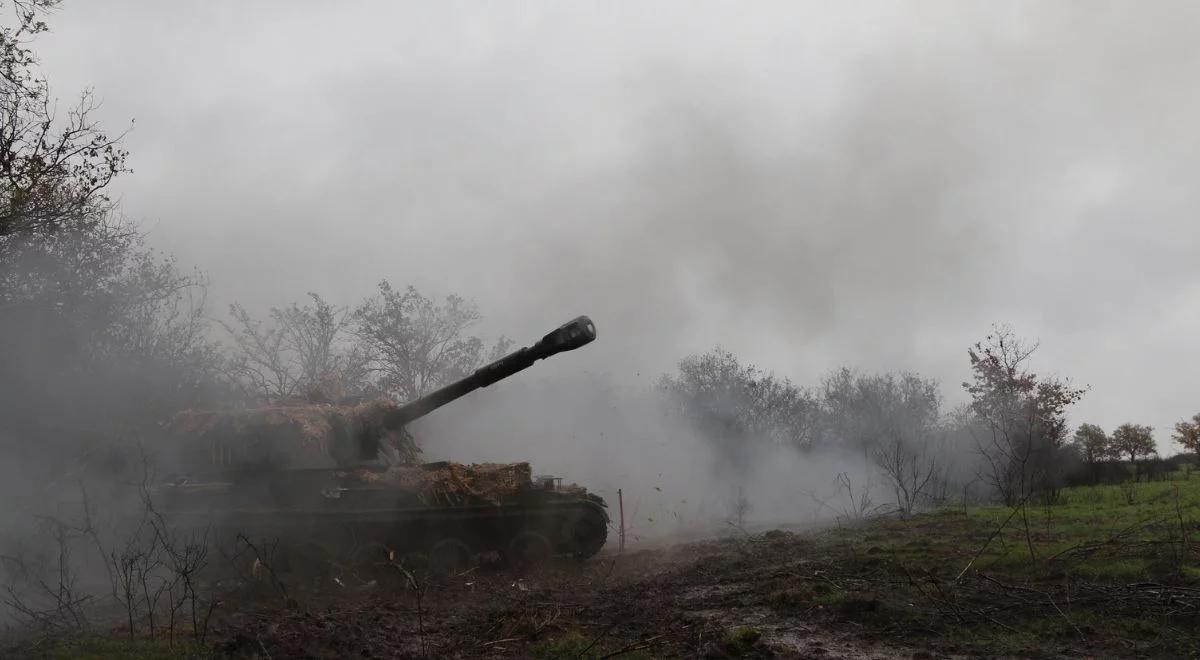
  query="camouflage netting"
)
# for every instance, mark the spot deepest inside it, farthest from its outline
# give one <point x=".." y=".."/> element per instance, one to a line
<point x="304" y="435"/>
<point x="448" y="483"/>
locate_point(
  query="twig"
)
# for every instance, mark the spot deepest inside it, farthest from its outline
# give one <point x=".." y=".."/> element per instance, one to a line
<point x="1065" y="617"/>
<point x="466" y="572"/>
<point x="278" y="584"/>
<point x="501" y="641"/>
<point x="1114" y="538"/>
<point x="639" y="645"/>
<point x="417" y="587"/>
<point x="989" y="540"/>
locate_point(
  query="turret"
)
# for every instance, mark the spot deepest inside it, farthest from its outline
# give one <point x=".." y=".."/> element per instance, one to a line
<point x="567" y="337"/>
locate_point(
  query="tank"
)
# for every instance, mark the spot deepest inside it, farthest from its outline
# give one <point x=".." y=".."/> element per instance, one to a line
<point x="341" y="485"/>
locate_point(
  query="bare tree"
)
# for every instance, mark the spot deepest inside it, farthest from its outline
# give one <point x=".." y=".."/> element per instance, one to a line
<point x="125" y="566"/>
<point x="46" y="592"/>
<point x="1022" y="418"/>
<point x="415" y="344"/>
<point x="849" y="503"/>
<point x="893" y="419"/>
<point x="186" y="556"/>
<point x="260" y="362"/>
<point x="397" y="343"/>
<point x="53" y="169"/>
<point x="318" y="336"/>
<point x="910" y="467"/>
<point x="299" y="351"/>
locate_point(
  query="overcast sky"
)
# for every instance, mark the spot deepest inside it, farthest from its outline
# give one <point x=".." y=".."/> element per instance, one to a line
<point x="808" y="184"/>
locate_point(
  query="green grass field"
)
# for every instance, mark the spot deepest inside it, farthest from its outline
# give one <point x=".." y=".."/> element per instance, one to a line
<point x="1129" y="531"/>
<point x="1114" y="568"/>
<point x="1107" y="571"/>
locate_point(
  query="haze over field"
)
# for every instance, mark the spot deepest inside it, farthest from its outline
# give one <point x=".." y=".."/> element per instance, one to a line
<point x="809" y="186"/>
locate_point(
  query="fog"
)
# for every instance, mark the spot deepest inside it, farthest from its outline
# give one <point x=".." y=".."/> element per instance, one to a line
<point x="807" y="185"/>
<point x="674" y="481"/>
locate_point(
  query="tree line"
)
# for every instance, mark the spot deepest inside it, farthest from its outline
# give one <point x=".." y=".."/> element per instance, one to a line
<point x="1105" y="457"/>
<point x="1010" y="443"/>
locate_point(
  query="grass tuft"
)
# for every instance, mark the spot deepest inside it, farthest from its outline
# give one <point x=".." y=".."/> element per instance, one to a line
<point x="98" y="647"/>
<point x="741" y="640"/>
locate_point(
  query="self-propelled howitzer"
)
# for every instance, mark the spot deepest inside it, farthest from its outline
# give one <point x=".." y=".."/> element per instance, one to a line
<point x="354" y="509"/>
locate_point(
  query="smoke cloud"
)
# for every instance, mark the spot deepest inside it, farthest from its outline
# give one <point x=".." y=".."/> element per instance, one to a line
<point x="590" y="430"/>
<point x="807" y="185"/>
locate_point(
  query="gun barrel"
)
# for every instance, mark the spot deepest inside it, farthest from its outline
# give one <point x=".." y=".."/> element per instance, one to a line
<point x="567" y="337"/>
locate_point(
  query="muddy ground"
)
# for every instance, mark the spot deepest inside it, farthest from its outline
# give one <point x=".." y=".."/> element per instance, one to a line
<point x="888" y="588"/>
<point x="914" y="588"/>
<point x="751" y="596"/>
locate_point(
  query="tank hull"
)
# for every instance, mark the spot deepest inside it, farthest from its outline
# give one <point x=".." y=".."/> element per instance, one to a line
<point x="314" y="517"/>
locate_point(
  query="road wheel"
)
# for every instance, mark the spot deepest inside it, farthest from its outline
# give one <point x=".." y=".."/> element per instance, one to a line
<point x="527" y="550"/>
<point x="587" y="533"/>
<point x="450" y="556"/>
